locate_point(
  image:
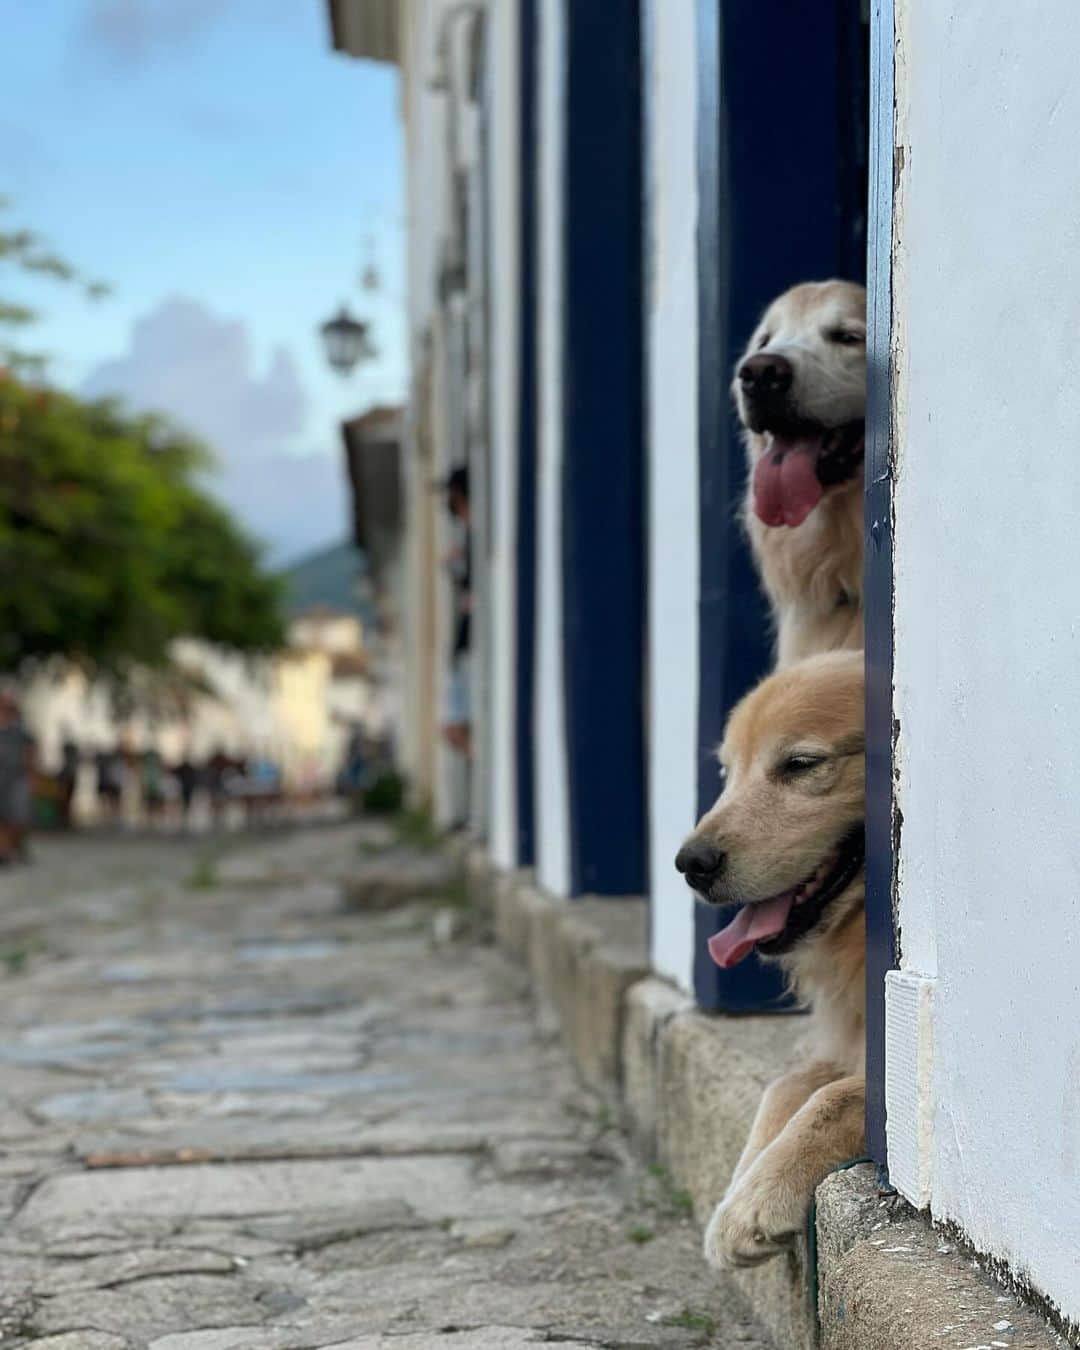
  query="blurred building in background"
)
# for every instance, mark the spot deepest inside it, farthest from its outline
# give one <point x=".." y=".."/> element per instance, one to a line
<point x="294" y="709"/>
<point x="462" y="353"/>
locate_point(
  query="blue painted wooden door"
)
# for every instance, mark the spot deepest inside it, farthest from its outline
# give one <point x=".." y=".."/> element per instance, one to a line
<point x="782" y="144"/>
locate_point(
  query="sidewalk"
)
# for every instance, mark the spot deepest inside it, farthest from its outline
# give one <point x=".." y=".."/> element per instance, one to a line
<point x="235" y="1117"/>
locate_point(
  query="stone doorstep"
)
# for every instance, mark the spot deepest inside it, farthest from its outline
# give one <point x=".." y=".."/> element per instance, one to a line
<point x="888" y="1279"/>
<point x="688" y="1086"/>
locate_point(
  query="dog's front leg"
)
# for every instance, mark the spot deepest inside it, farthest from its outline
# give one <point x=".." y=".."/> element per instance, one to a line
<point x="766" y="1207"/>
<point x="781" y="1099"/>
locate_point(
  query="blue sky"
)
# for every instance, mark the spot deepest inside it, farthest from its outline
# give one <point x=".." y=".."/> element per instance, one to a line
<point x="228" y="175"/>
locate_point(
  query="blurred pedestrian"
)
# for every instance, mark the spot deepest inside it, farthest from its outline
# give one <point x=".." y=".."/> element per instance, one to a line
<point x="153" y="784"/>
<point x="457" y="699"/>
<point x="355" y="769"/>
<point x="218" y="768"/>
<point x="187" y="780"/>
<point x="109" y="766"/>
<point x="16" y="771"/>
<point x="67" y="780"/>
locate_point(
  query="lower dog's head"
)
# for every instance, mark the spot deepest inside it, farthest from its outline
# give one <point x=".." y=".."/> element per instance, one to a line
<point x="800" y="389"/>
<point x="784" y="839"/>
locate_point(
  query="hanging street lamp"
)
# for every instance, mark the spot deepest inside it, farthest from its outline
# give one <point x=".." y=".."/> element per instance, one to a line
<point x="346" y="341"/>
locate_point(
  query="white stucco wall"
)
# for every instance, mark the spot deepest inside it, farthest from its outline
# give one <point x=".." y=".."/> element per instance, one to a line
<point x="987" y="551"/>
<point x="503" y="130"/>
<point x="552" y="841"/>
<point x="673" y="477"/>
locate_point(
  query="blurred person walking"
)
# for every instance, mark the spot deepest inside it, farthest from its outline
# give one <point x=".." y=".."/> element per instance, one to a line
<point x="187" y="778"/>
<point x="218" y="769"/>
<point x="16" y="772"/>
<point x="355" y="772"/>
<point x="152" y="782"/>
<point x="457" y="705"/>
<point x="67" y="780"/>
<point x="109" y="766"/>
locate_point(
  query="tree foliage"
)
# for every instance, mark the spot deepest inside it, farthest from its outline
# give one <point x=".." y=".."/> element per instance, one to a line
<point x="23" y="251"/>
<point x="109" y="548"/>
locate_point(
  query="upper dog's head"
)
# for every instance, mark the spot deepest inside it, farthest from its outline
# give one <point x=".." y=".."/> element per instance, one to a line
<point x="785" y="837"/>
<point x="800" y="388"/>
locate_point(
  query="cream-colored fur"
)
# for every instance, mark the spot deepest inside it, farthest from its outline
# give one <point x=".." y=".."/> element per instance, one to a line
<point x="774" y="830"/>
<point x="812" y="574"/>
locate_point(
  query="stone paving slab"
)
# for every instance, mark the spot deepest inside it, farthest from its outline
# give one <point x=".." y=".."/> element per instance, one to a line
<point x="236" y="1116"/>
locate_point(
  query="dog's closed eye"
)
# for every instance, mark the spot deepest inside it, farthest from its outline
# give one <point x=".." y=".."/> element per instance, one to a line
<point x="797" y="765"/>
<point x="845" y="337"/>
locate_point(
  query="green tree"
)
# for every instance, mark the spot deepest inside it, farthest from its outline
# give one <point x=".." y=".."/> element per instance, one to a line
<point x="23" y="251"/>
<point x="109" y="548"/>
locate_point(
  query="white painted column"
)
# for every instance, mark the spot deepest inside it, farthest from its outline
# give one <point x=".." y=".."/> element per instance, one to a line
<point x="673" y="477"/>
<point x="987" y="646"/>
<point x="552" y="825"/>
<point x="503" y="130"/>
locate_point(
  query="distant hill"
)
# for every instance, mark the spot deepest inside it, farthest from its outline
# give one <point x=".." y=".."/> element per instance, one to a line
<point x="325" y="578"/>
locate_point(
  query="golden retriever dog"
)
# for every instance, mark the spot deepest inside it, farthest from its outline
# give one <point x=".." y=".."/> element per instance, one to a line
<point x="784" y="841"/>
<point x="800" y="390"/>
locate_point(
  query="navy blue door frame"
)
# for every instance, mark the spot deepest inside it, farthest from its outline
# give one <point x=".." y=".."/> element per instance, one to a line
<point x="777" y="177"/>
<point x="525" y="576"/>
<point x="602" y="492"/>
<point x="882" y="820"/>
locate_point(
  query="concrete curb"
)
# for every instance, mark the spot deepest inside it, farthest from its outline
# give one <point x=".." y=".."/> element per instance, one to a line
<point x="710" y="1077"/>
<point x="583" y="959"/>
<point x="480" y="873"/>
<point x="688" y="1086"/>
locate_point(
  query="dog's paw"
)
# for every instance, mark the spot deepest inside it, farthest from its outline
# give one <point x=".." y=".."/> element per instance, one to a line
<point x="757" y="1220"/>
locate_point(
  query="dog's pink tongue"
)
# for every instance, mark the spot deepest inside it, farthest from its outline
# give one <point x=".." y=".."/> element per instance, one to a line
<point x="752" y="924"/>
<point x="786" y="487"/>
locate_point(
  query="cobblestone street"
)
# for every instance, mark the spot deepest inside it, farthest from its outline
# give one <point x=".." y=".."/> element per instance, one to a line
<point x="236" y="1115"/>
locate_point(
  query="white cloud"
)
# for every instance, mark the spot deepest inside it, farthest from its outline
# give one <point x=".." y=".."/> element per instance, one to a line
<point x="186" y="361"/>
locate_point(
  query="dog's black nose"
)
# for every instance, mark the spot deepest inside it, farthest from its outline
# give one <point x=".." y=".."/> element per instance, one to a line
<point x="766" y="375"/>
<point x="700" y="862"/>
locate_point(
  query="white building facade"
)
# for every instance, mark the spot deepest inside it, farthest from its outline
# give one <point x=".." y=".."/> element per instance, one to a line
<point x="601" y="200"/>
